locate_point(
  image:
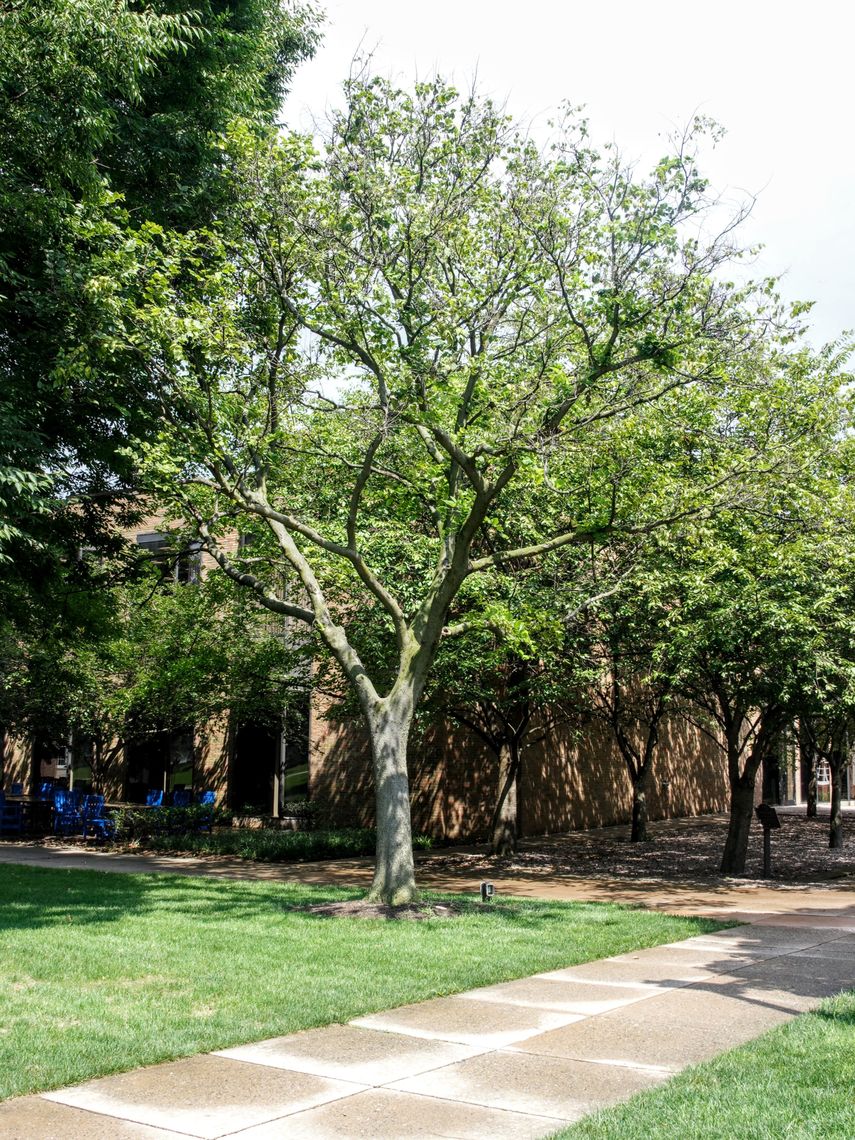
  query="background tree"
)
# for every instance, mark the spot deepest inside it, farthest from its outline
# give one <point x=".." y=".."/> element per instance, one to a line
<point x="743" y="585"/>
<point x="504" y="671"/>
<point x="148" y="657"/>
<point x="111" y="114"/>
<point x="825" y="702"/>
<point x="634" y="669"/>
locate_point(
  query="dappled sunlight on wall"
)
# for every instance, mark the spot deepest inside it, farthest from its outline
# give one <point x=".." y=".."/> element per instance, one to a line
<point x="17" y="762"/>
<point x="213" y="751"/>
<point x="570" y="781"/>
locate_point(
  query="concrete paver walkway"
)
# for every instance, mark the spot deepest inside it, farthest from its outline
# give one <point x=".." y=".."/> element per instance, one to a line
<point x="519" y="1059"/>
<point x="512" y="1060"/>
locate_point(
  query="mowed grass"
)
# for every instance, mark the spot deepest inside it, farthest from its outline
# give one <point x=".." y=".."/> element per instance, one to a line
<point x="101" y="972"/>
<point x="794" y="1082"/>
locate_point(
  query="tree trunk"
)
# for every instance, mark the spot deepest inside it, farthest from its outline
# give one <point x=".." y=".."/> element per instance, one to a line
<point x="505" y="824"/>
<point x="835" y="825"/>
<point x="638" y="830"/>
<point x="394" y="871"/>
<point x="808" y="755"/>
<point x="811" y="811"/>
<point x="741" y="811"/>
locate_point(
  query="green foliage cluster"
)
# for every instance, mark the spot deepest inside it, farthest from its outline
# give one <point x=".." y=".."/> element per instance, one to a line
<point x="140" y="824"/>
<point x="273" y="846"/>
<point x="112" y="114"/>
<point x="147" y="657"/>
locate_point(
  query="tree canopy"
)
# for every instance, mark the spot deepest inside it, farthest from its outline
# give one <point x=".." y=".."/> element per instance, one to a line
<point x="111" y="114"/>
<point x="400" y="338"/>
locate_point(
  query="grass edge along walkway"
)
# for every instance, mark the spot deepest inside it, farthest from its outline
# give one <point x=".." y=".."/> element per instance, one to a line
<point x="793" y="1082"/>
<point x="101" y="973"/>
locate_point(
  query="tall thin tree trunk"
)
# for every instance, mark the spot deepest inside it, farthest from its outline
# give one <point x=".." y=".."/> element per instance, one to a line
<point x="835" y="825"/>
<point x="808" y="758"/>
<point x="811" y="810"/>
<point x="505" y="823"/>
<point x="97" y="764"/>
<point x="638" y="829"/>
<point x="394" y="871"/>
<point x="739" y="826"/>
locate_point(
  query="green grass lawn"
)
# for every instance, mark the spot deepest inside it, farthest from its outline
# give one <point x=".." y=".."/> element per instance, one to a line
<point x="100" y="972"/>
<point x="795" y="1082"/>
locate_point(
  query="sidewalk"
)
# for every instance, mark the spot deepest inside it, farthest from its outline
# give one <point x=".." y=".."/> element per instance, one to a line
<point x="519" y="1059"/>
<point x="515" y="1060"/>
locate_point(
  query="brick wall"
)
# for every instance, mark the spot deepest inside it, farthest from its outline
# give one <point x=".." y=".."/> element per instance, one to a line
<point x="566" y="783"/>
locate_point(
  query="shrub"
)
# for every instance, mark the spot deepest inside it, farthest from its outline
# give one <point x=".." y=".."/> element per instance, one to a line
<point x="267" y="846"/>
<point x="145" y="823"/>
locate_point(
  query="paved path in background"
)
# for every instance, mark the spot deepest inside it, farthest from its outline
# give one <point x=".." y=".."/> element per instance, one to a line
<point x="519" y="1059"/>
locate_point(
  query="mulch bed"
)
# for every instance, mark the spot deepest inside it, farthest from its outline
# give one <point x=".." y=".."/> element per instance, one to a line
<point x="358" y="908"/>
<point x="677" y="850"/>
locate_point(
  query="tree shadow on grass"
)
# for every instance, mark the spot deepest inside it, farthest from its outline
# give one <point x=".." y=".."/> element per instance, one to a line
<point x="33" y="897"/>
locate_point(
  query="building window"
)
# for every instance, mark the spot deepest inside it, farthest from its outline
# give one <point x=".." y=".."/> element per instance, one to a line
<point x="175" y="563"/>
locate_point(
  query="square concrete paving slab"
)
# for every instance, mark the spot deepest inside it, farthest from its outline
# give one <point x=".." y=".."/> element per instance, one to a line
<point x="203" y="1096"/>
<point x="762" y="941"/>
<point x="708" y="1008"/>
<point x="34" y="1118"/>
<point x="483" y="1024"/>
<point x="676" y="964"/>
<point x="614" y="1039"/>
<point x="523" y="1082"/>
<point x="383" y="1113"/>
<point x="563" y="995"/>
<point x="837" y="948"/>
<point x="349" y="1053"/>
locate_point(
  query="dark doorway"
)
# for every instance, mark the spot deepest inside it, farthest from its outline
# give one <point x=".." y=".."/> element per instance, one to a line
<point x="160" y="761"/>
<point x="255" y="755"/>
<point x="148" y="763"/>
<point x="771" y="779"/>
<point x="294" y="772"/>
<point x="270" y="762"/>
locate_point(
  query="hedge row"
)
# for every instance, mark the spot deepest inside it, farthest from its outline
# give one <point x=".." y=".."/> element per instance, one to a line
<point x="274" y="846"/>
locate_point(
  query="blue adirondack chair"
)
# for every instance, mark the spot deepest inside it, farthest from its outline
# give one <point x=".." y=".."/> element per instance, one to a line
<point x="67" y="817"/>
<point x="45" y="791"/>
<point x="95" y="821"/>
<point x="154" y="798"/>
<point x="181" y="797"/>
<point x="11" y="817"/>
<point x="17" y="790"/>
<point x="206" y="819"/>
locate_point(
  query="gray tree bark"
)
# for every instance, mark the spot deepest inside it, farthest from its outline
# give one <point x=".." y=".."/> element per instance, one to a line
<point x="638" y="829"/>
<point x="394" y="870"/>
<point x="505" y="824"/>
<point x="835" y="824"/>
<point x="739" y="826"/>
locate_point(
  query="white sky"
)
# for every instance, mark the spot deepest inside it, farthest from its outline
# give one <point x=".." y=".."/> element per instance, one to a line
<point x="777" y="76"/>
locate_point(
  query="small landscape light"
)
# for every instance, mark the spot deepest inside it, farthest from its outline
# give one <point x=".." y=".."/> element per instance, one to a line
<point x="487" y="892"/>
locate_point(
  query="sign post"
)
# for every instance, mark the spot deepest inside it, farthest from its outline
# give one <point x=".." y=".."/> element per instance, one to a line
<point x="769" y="820"/>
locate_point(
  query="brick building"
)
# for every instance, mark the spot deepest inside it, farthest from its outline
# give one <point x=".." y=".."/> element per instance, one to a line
<point x="565" y="784"/>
